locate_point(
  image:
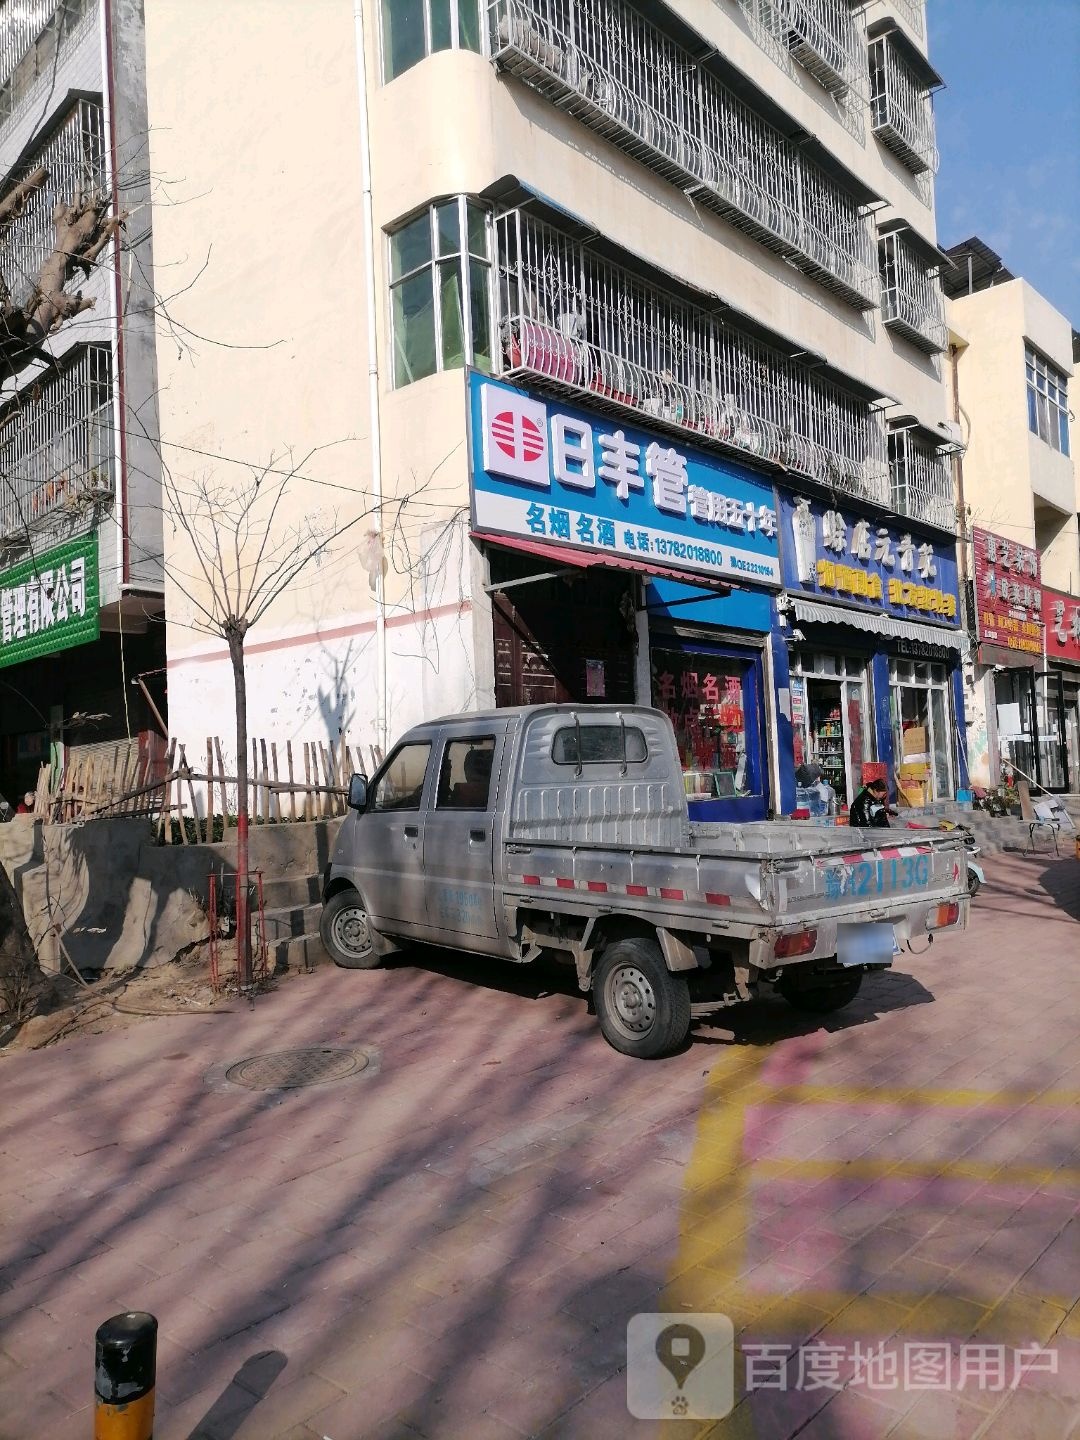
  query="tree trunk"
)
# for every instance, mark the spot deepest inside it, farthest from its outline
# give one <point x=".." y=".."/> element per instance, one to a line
<point x="243" y="913"/>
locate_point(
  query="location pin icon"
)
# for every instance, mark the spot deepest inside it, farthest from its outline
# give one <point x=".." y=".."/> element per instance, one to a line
<point x="680" y="1349"/>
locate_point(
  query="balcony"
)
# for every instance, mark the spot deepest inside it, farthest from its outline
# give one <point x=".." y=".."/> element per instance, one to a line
<point x="56" y="454"/>
<point x="911" y="303"/>
<point x="589" y="328"/>
<point x="901" y="81"/>
<point x="623" y="78"/>
<point x="33" y="36"/>
<point x="75" y="160"/>
<point x="913" y="12"/>
<point x="820" y="34"/>
<point x="921" y="478"/>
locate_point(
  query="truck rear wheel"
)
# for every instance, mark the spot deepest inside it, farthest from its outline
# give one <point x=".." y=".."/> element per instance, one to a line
<point x="824" y="997"/>
<point x="345" y="931"/>
<point x="643" y="1009"/>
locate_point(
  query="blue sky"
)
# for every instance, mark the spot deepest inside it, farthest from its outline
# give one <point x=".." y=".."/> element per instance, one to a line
<point x="1008" y="128"/>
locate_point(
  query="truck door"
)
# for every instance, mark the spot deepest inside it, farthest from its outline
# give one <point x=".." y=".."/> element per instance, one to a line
<point x="390" y="842"/>
<point x="459" y="837"/>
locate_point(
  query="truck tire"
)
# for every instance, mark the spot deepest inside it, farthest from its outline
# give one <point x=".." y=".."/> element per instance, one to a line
<point x="823" y="999"/>
<point x="643" y="1009"/>
<point x="345" y="932"/>
<point x="973" y="883"/>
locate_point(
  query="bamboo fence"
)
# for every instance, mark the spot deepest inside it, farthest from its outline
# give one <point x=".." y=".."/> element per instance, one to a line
<point x="286" y="783"/>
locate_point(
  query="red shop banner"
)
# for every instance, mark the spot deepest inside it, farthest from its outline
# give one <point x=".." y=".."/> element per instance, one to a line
<point x="1061" y="616"/>
<point x="1008" y="593"/>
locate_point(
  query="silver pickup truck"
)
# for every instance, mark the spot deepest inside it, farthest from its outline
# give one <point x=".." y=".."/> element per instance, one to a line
<point x="552" y="829"/>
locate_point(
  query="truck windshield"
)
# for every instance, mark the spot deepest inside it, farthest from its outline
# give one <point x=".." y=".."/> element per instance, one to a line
<point x="600" y="744"/>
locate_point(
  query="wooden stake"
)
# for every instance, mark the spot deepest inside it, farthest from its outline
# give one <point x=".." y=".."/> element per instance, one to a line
<point x="224" y="792"/>
<point x="266" y="787"/>
<point x="292" y="780"/>
<point x="307" y="782"/>
<point x="276" y="798"/>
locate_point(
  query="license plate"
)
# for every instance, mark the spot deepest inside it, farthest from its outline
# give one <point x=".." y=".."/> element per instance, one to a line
<point x="869" y="944"/>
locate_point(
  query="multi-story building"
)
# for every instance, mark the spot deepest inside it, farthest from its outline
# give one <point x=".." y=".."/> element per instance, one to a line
<point x="80" y="519"/>
<point x="613" y="332"/>
<point x="1012" y="357"/>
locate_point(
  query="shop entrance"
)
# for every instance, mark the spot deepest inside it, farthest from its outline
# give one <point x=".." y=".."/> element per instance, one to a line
<point x="829" y="712"/>
<point x="569" y="640"/>
<point x="1039" y="727"/>
<point x="921" y="714"/>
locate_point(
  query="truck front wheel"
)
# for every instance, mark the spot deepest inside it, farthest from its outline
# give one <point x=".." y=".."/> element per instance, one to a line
<point x="825" y="996"/>
<point x="643" y="1009"/>
<point x="345" y="931"/>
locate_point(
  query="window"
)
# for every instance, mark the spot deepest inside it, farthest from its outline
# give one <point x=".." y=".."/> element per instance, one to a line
<point x="600" y="745"/>
<point x="439" y="291"/>
<point x="412" y="29"/>
<point x="710" y="699"/>
<point x="401" y="784"/>
<point x="465" y="777"/>
<point x="1048" y="409"/>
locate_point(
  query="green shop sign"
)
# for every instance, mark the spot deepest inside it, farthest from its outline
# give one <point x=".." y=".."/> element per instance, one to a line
<point x="50" y="602"/>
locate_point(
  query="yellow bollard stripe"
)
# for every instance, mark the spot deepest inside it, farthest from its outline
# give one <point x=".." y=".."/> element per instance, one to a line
<point x="131" y="1421"/>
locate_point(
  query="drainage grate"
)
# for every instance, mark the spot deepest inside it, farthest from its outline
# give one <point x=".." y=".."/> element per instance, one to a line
<point x="292" y="1069"/>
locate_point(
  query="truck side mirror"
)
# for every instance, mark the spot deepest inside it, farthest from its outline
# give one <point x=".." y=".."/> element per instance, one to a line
<point x="358" y="792"/>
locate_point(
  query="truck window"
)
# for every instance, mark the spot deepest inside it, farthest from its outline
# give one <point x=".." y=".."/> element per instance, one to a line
<point x="401" y="784"/>
<point x="600" y="744"/>
<point x="465" y="775"/>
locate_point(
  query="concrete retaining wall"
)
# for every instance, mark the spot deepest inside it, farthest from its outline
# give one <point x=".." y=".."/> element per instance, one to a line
<point x="119" y="901"/>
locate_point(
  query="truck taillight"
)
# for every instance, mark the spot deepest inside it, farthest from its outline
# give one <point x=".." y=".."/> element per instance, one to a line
<point x="801" y="943"/>
<point x="948" y="913"/>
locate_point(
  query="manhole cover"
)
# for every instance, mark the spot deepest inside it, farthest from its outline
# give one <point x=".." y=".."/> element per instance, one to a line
<point x="291" y="1069"/>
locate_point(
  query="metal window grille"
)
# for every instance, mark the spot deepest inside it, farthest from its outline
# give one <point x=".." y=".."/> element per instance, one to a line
<point x="32" y="33"/>
<point x="900" y="111"/>
<point x="922" y="484"/>
<point x="75" y="160"/>
<point x="589" y="328"/>
<point x="822" y="35"/>
<point x="56" y="450"/>
<point x="911" y="302"/>
<point x="622" y="77"/>
<point x="912" y="11"/>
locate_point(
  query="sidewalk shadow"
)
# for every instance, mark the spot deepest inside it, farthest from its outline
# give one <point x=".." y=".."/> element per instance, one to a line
<point x="1061" y="881"/>
<point x="247" y="1388"/>
<point x="766" y="1021"/>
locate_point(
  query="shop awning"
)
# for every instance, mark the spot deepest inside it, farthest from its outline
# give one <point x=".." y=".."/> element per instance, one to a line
<point x="814" y="613"/>
<point x="565" y="557"/>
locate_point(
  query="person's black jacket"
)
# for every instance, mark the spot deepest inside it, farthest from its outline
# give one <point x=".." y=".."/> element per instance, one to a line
<point x="868" y="812"/>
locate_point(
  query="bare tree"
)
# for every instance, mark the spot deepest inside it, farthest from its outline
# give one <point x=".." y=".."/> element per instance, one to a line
<point x="244" y="555"/>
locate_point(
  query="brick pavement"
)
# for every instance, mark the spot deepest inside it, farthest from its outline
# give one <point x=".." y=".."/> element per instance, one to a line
<point x="450" y="1245"/>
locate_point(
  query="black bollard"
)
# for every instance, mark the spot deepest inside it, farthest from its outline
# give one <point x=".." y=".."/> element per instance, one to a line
<point x="125" y="1371"/>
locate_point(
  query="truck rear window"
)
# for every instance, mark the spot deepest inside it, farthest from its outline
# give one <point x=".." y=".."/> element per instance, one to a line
<point x="600" y="744"/>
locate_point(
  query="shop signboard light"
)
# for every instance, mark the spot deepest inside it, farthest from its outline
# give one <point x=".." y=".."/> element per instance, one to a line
<point x="555" y="474"/>
<point x="1008" y="593"/>
<point x="839" y="554"/>
<point x="50" y="602"/>
<point x="1061" y="617"/>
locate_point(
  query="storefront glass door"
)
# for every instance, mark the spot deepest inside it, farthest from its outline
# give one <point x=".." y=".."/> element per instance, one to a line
<point x="922" y="731"/>
<point x="1050" y="726"/>
<point x="829" y="718"/>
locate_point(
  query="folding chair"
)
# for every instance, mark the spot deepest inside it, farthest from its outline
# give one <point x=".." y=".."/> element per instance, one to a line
<point x="1033" y="819"/>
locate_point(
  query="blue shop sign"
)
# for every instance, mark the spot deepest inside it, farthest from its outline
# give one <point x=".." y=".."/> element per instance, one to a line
<point x="551" y="473"/>
<point x="836" y="553"/>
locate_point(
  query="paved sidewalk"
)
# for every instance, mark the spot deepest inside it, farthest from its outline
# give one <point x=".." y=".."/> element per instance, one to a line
<point x="449" y="1245"/>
